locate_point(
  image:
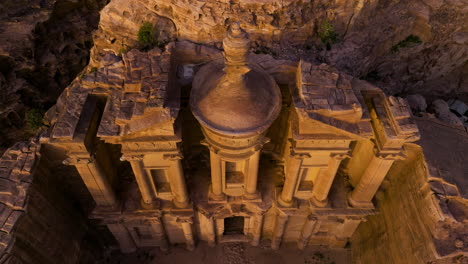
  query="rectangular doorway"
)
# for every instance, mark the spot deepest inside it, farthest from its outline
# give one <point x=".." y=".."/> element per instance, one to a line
<point x="234" y="225"/>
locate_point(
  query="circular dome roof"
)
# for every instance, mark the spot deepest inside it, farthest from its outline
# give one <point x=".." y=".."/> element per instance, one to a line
<point x="232" y="97"/>
<point x="234" y="100"/>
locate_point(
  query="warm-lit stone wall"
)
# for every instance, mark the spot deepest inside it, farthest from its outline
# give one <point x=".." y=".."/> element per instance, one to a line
<point x="416" y="223"/>
<point x="38" y="222"/>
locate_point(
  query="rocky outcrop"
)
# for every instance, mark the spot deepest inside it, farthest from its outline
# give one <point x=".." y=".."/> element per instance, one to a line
<point x="417" y="103"/>
<point x="372" y="36"/>
<point x="47" y="44"/>
<point x="37" y="218"/>
<point x="442" y="111"/>
<point x="403" y="232"/>
<point x="44" y="44"/>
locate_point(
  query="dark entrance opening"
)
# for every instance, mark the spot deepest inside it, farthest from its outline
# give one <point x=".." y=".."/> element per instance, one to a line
<point x="234" y="225"/>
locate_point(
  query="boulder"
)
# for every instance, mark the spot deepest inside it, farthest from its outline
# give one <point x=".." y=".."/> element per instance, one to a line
<point x="458" y="106"/>
<point x="417" y="103"/>
<point x="442" y="112"/>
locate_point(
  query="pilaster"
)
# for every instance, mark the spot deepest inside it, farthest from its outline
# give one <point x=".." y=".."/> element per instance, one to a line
<point x="95" y="180"/>
<point x="144" y="181"/>
<point x="159" y="231"/>
<point x="257" y="231"/>
<point x="186" y="224"/>
<point x="278" y="231"/>
<point x="370" y="181"/>
<point x="216" y="190"/>
<point x="123" y="237"/>
<point x="325" y="180"/>
<point x="291" y="179"/>
<point x="179" y="187"/>
<point x="311" y="226"/>
<point x="252" y="177"/>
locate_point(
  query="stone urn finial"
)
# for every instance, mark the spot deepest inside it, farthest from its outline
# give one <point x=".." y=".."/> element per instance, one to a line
<point x="236" y="46"/>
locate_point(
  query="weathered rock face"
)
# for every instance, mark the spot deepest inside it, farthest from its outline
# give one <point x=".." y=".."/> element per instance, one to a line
<point x="402" y="232"/>
<point x="371" y="35"/>
<point x="47" y="42"/>
<point x="204" y="21"/>
<point x="442" y="111"/>
<point x="417" y="103"/>
<point x="38" y="212"/>
<point x="44" y="46"/>
<point x="374" y="47"/>
<point x="47" y="45"/>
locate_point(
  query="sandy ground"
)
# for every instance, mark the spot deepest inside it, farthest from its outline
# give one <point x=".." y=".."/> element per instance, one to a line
<point x="237" y="253"/>
<point x="445" y="148"/>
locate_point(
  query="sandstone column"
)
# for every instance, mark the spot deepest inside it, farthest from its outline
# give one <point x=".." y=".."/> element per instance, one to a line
<point x="144" y="181"/>
<point x="280" y="225"/>
<point x="120" y="232"/>
<point x="325" y="180"/>
<point x="310" y="227"/>
<point x="252" y="177"/>
<point x="292" y="177"/>
<point x="211" y="232"/>
<point x="179" y="187"/>
<point x="349" y="226"/>
<point x="257" y="232"/>
<point x="216" y="177"/>
<point x="188" y="233"/>
<point x="158" y="228"/>
<point x="370" y="181"/>
<point x="95" y="180"/>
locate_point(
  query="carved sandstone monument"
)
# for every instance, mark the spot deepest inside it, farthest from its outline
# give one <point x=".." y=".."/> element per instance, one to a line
<point x="236" y="152"/>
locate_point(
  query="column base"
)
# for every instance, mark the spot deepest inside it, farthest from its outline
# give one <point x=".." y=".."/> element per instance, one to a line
<point x="216" y="198"/>
<point x="164" y="248"/>
<point x="190" y="247"/>
<point x="318" y="203"/>
<point x="98" y="210"/>
<point x="252" y="197"/>
<point x="211" y="243"/>
<point x="275" y="244"/>
<point x="153" y="205"/>
<point x="181" y="205"/>
<point x="301" y="244"/>
<point x="359" y="204"/>
<point x="255" y="242"/>
<point x="285" y="203"/>
<point x="340" y="242"/>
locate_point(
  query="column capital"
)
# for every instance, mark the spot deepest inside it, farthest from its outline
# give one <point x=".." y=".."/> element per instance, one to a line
<point x="112" y="221"/>
<point x="388" y="153"/>
<point x="156" y="220"/>
<point x="132" y="157"/>
<point x="340" y="156"/>
<point x="185" y="220"/>
<point x="173" y="156"/>
<point x="213" y="149"/>
<point x="355" y="218"/>
<point x="299" y="155"/>
<point x="391" y="156"/>
<point x="73" y="160"/>
<point x="259" y="145"/>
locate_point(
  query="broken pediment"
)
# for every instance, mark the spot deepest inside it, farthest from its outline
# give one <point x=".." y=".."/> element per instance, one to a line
<point x="132" y="93"/>
<point x="327" y="104"/>
<point x="325" y="91"/>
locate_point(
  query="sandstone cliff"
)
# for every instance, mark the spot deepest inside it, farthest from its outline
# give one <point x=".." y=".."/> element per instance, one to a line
<point x="43" y="46"/>
<point x="369" y="35"/>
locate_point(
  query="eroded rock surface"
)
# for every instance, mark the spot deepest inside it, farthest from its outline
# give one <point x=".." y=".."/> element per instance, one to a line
<point x="371" y="35"/>
<point x="47" y="43"/>
<point x="44" y="44"/>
